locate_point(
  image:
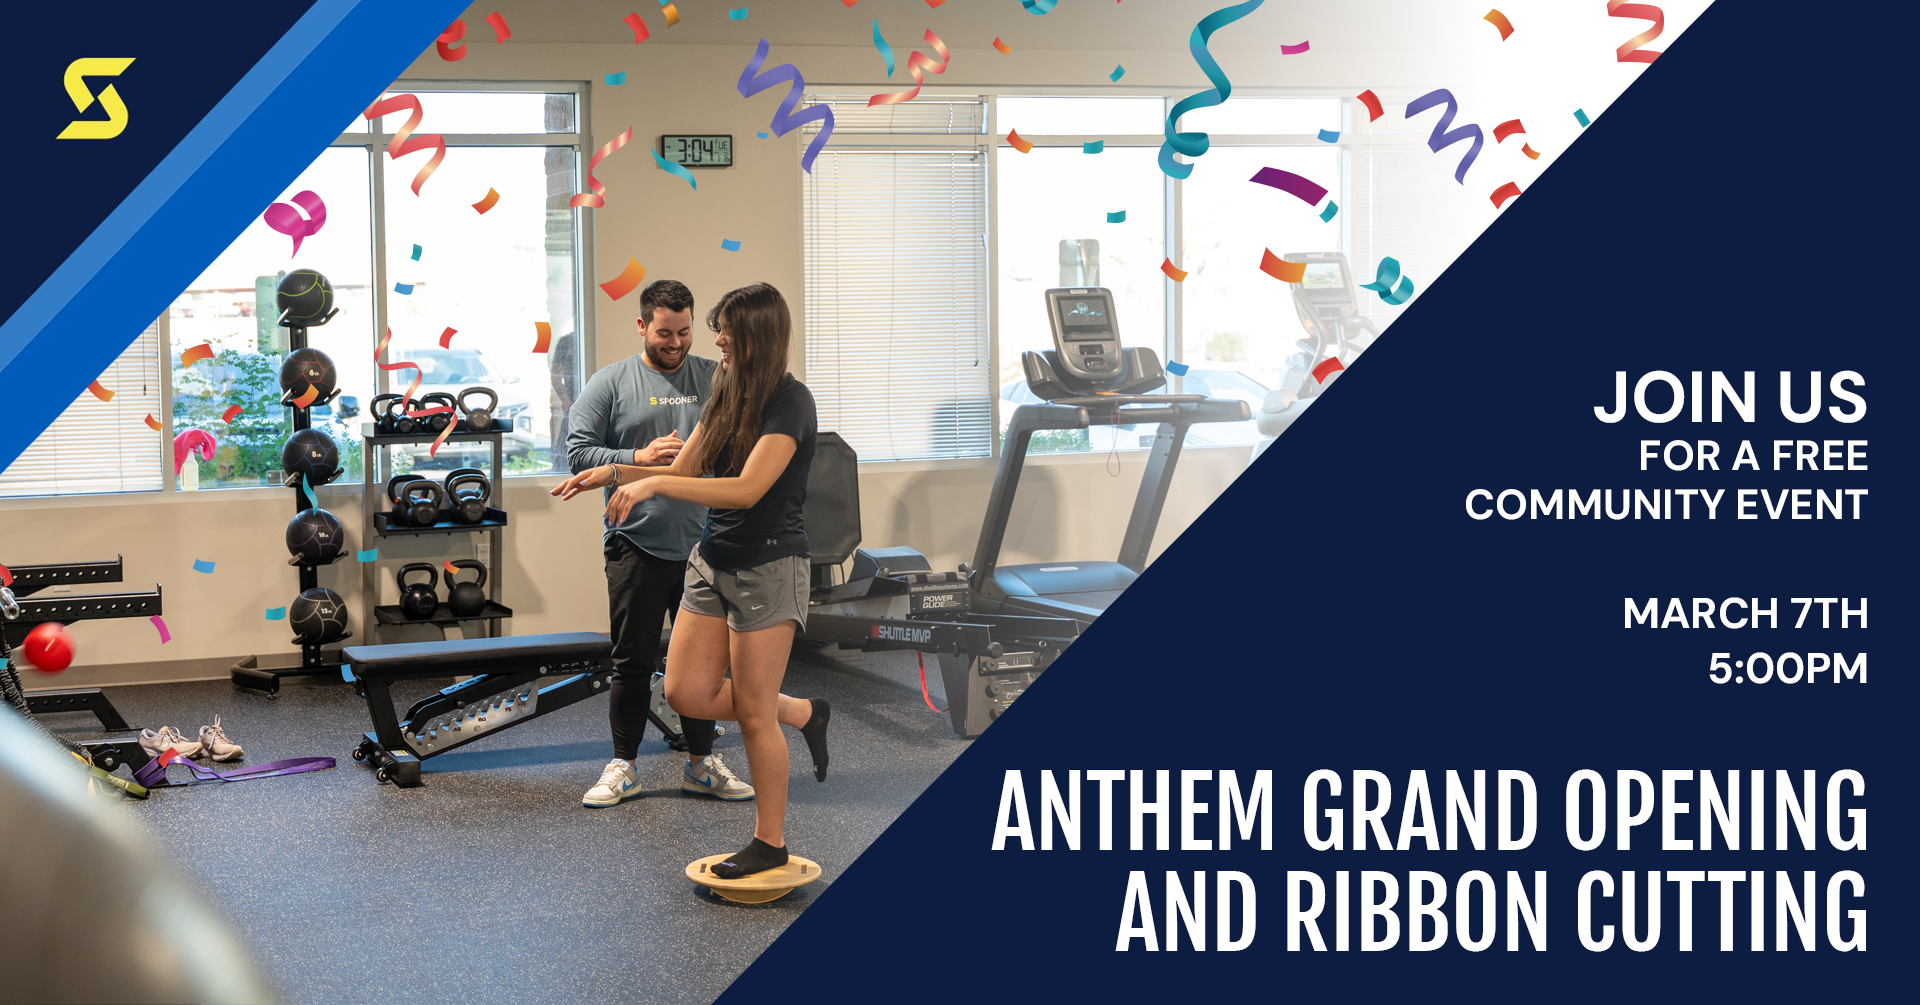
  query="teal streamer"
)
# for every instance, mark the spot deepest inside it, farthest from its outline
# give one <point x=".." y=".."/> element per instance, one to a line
<point x="1119" y="217"/>
<point x="880" y="43"/>
<point x="1093" y="148"/>
<point x="673" y="169"/>
<point x="1194" y="144"/>
<point x="1384" y="277"/>
<point x="1039" y="7"/>
<point x="1332" y="208"/>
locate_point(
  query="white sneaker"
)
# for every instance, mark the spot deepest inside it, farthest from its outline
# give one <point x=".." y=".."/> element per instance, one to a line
<point x="214" y="743"/>
<point x="157" y="743"/>
<point x="710" y="776"/>
<point x="617" y="784"/>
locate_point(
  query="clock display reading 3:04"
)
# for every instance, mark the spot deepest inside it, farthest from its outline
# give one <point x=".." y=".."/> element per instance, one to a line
<point x="698" y="151"/>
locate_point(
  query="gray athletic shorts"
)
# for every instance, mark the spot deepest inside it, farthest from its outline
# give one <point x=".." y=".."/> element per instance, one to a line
<point x="751" y="599"/>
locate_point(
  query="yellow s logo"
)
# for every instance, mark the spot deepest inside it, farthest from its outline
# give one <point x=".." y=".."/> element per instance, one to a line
<point x="653" y="401"/>
<point x="116" y="120"/>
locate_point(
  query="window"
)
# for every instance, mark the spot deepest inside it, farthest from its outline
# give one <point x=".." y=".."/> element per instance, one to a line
<point x="100" y="446"/>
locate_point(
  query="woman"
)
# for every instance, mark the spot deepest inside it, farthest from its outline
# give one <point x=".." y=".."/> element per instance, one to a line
<point x="747" y="582"/>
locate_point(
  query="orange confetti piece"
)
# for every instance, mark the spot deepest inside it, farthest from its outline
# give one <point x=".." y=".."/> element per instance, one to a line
<point x="312" y="393"/>
<point x="1503" y="193"/>
<point x="671" y="13"/>
<point x="100" y="392"/>
<point x="1174" y="272"/>
<point x="404" y="142"/>
<point x="447" y="336"/>
<point x="1527" y="148"/>
<point x="153" y="423"/>
<point x="1278" y="268"/>
<point x="232" y="410"/>
<point x="487" y="203"/>
<point x="448" y="565"/>
<point x="194" y="355"/>
<point x="500" y="29"/>
<point x="629" y="277"/>
<point x="1013" y="138"/>
<point x="1004" y="48"/>
<point x="640" y="33"/>
<point x="543" y="336"/>
<point x="1499" y="20"/>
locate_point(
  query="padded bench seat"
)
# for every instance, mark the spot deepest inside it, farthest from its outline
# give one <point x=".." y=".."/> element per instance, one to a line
<point x="519" y="653"/>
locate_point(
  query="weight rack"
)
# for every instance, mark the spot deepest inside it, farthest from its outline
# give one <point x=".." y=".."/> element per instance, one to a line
<point x="378" y="525"/>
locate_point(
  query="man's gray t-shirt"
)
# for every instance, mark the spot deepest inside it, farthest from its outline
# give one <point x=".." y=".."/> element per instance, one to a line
<point x="628" y="405"/>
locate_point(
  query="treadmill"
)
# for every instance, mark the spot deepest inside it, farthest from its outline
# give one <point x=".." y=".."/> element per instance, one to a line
<point x="1087" y="379"/>
<point x="1328" y="303"/>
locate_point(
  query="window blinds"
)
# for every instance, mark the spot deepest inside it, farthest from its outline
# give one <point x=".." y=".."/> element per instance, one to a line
<point x="897" y="346"/>
<point x="100" y="446"/>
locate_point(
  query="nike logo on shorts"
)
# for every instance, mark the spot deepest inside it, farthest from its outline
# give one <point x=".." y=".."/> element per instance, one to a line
<point x="758" y="606"/>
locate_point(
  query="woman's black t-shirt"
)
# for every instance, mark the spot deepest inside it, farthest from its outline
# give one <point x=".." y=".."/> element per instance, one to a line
<point x="737" y="539"/>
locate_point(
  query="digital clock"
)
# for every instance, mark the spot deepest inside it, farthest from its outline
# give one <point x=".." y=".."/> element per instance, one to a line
<point x="698" y="151"/>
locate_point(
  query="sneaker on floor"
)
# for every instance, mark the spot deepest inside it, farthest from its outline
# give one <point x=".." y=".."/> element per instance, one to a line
<point x="710" y="776"/>
<point x="157" y="743"/>
<point x="617" y="784"/>
<point x="214" y="743"/>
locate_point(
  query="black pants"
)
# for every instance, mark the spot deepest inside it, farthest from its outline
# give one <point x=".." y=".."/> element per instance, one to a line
<point x="640" y="590"/>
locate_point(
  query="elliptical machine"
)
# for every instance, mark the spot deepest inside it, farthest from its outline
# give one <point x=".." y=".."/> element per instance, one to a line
<point x="1328" y="304"/>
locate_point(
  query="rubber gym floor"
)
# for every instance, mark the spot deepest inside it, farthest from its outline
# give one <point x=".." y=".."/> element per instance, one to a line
<point x="491" y="883"/>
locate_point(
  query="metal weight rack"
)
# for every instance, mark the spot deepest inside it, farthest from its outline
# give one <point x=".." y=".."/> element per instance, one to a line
<point x="378" y="525"/>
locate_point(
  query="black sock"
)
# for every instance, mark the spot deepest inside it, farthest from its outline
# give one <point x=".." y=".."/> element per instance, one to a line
<point x="699" y="736"/>
<point x="756" y="857"/>
<point x="815" y="733"/>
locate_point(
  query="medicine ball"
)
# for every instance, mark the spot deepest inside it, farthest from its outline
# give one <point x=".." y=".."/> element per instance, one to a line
<point x="306" y="368"/>
<point x="303" y="299"/>
<point x="315" y="537"/>
<point x="318" y="616"/>
<point x="312" y="453"/>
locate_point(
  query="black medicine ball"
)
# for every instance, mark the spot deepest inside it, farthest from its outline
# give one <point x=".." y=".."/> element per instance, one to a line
<point x="318" y="616"/>
<point x="306" y="368"/>
<point x="303" y="299"/>
<point x="312" y="453"/>
<point x="315" y="537"/>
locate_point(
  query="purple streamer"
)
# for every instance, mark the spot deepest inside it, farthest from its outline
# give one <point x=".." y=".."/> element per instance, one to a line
<point x="1441" y="137"/>
<point x="1290" y="183"/>
<point x="752" y="82"/>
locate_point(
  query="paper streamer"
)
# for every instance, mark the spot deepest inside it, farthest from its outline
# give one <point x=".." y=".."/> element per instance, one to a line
<point x="1499" y="20"/>
<point x="1580" y="116"/>
<point x="382" y="347"/>
<point x="1039" y="7"/>
<point x="1174" y="272"/>
<point x="1329" y="136"/>
<point x="1290" y="183"/>
<point x="1194" y="144"/>
<point x="1093" y="148"/>
<point x="202" y="565"/>
<point x="416" y="253"/>
<point x="672" y="14"/>
<point x="1441" y="137"/>
<point x="597" y="197"/>
<point x="1295" y="50"/>
<point x="728" y="245"/>
<point x="1177" y="369"/>
<point x="752" y="82"/>
<point x="1119" y="217"/>
<point x="543" y="336"/>
<point x="1503" y="193"/>
<point x="1527" y="148"/>
<point x="404" y="289"/>
<point x="737" y="14"/>
<point x="370" y="555"/>
<point x="276" y="614"/>
<point x="500" y="30"/>
<point x="100" y="392"/>
<point x="1013" y="139"/>
<point x="404" y="142"/>
<point x="1506" y="129"/>
<point x="629" y="277"/>
<point x="158" y="622"/>
<point x="448" y="566"/>
<point x="308" y="397"/>
<point x="673" y="169"/>
<point x="1118" y="72"/>
<point x="1332" y="208"/>
<point x="194" y="355"/>
<point x="287" y="220"/>
<point x="447" y="336"/>
<point x="1372" y="101"/>
<point x="418" y="374"/>
<point x="886" y="51"/>
<point x="1327" y="368"/>
<point x="765" y="135"/>
<point x="916" y="62"/>
<point x="1630" y="51"/>
<point x="1004" y="48"/>
<point x="640" y="33"/>
<point x="487" y="203"/>
<point x="6" y="579"/>
<point x="1383" y="279"/>
<point x="617" y="78"/>
<point x="936" y="3"/>
<point x="1281" y="269"/>
<point x="232" y="410"/>
<point x="443" y="45"/>
<point x="152" y="423"/>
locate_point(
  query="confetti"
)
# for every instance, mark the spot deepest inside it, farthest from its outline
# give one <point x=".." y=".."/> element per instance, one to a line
<point x="672" y="14"/>
<point x="728" y="245"/>
<point x="1441" y="137"/>
<point x="443" y="45"/>
<point x="1119" y="217"/>
<point x="1013" y="138"/>
<point x="737" y="14"/>
<point x="307" y="398"/>
<point x="447" y="336"/>
<point x="752" y="82"/>
<point x="543" y="336"/>
<point x="1506" y="129"/>
<point x="1383" y="280"/>
<point x="1173" y="272"/>
<point x="285" y="219"/>
<point x="1329" y="136"/>
<point x="404" y="289"/>
<point x="1118" y="72"/>
<point x="1499" y="20"/>
<point x="152" y="423"/>
<point x="639" y="31"/>
<point x="1177" y="369"/>
<point x="936" y="3"/>
<point x="404" y="142"/>
<point x="1627" y="52"/>
<point x="629" y="277"/>
<point x="232" y="410"/>
<point x="100" y="392"/>
<point x="1278" y="268"/>
<point x="1503" y="193"/>
<point x="1004" y="48"/>
<point x="880" y="45"/>
<point x="916" y="62"/>
<point x="202" y="565"/>
<point x="487" y="203"/>
<point x="1038" y="7"/>
<point x="1194" y="144"/>
<point x="671" y="168"/>
<point x="6" y="576"/>
<point x="598" y="196"/>
<point x="448" y="566"/>
<point x="194" y="355"/>
<point x="1093" y="148"/>
<point x="158" y="622"/>
<point x="1327" y="368"/>
<point x="500" y="30"/>
<point x="617" y="79"/>
<point x="1332" y="208"/>
<point x="1580" y="116"/>
<point x="416" y="252"/>
<point x="1372" y="101"/>
<point x="276" y="614"/>
<point x="1295" y="50"/>
<point x="1290" y="183"/>
<point x="370" y="555"/>
<point x="765" y="135"/>
<point x="1527" y="148"/>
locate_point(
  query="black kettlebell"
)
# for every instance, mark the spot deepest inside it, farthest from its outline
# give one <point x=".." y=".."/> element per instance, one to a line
<point x="479" y="420"/>
<point x="436" y="423"/>
<point x="417" y="600"/>
<point x="404" y="424"/>
<point x="423" y="499"/>
<point x="381" y="408"/>
<point x="467" y="600"/>
<point x="468" y="491"/>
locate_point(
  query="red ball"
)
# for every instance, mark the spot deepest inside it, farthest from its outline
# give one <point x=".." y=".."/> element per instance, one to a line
<point x="49" y="648"/>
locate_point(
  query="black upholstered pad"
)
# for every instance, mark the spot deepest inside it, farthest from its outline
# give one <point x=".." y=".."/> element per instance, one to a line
<point x="474" y="656"/>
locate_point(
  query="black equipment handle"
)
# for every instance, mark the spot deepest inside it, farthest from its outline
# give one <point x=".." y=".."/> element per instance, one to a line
<point x="469" y="563"/>
<point x="433" y="574"/>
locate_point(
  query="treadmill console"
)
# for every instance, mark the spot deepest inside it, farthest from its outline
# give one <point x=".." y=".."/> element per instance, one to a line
<point x="1085" y="334"/>
<point x="1326" y="291"/>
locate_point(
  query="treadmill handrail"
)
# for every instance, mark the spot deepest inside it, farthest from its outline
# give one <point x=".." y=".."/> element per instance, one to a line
<point x="1108" y="400"/>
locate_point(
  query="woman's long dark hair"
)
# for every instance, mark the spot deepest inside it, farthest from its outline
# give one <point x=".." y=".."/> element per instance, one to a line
<point x="758" y="327"/>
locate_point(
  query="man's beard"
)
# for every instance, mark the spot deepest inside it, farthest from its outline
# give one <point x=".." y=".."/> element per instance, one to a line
<point x="659" y="363"/>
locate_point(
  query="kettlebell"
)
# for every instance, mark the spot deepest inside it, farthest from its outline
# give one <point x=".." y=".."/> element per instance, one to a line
<point x="381" y="408"/>
<point x="417" y="600"/>
<point x="423" y="499"/>
<point x="479" y="420"/>
<point x="436" y="423"/>
<point x="467" y="600"/>
<point x="404" y="424"/>
<point x="468" y="491"/>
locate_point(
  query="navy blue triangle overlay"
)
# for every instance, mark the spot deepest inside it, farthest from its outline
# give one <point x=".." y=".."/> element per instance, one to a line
<point x="1335" y="608"/>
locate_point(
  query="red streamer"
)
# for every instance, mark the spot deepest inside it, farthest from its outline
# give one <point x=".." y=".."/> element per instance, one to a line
<point x="915" y="64"/>
<point x="1626" y="53"/>
<point x="232" y="410"/>
<point x="598" y="198"/>
<point x="500" y="30"/>
<point x="454" y="33"/>
<point x="1326" y="369"/>
<point x="404" y="142"/>
<point x="1506" y="129"/>
<point x="447" y="336"/>
<point x="1372" y="101"/>
<point x="1503" y="193"/>
<point x="639" y="27"/>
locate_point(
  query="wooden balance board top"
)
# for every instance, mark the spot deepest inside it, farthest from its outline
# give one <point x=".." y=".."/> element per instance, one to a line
<point x="759" y="887"/>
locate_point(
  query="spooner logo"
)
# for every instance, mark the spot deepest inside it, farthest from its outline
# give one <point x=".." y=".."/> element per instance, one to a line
<point x="116" y="121"/>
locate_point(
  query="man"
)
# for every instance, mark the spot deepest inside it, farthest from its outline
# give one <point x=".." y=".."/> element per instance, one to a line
<point x="635" y="412"/>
